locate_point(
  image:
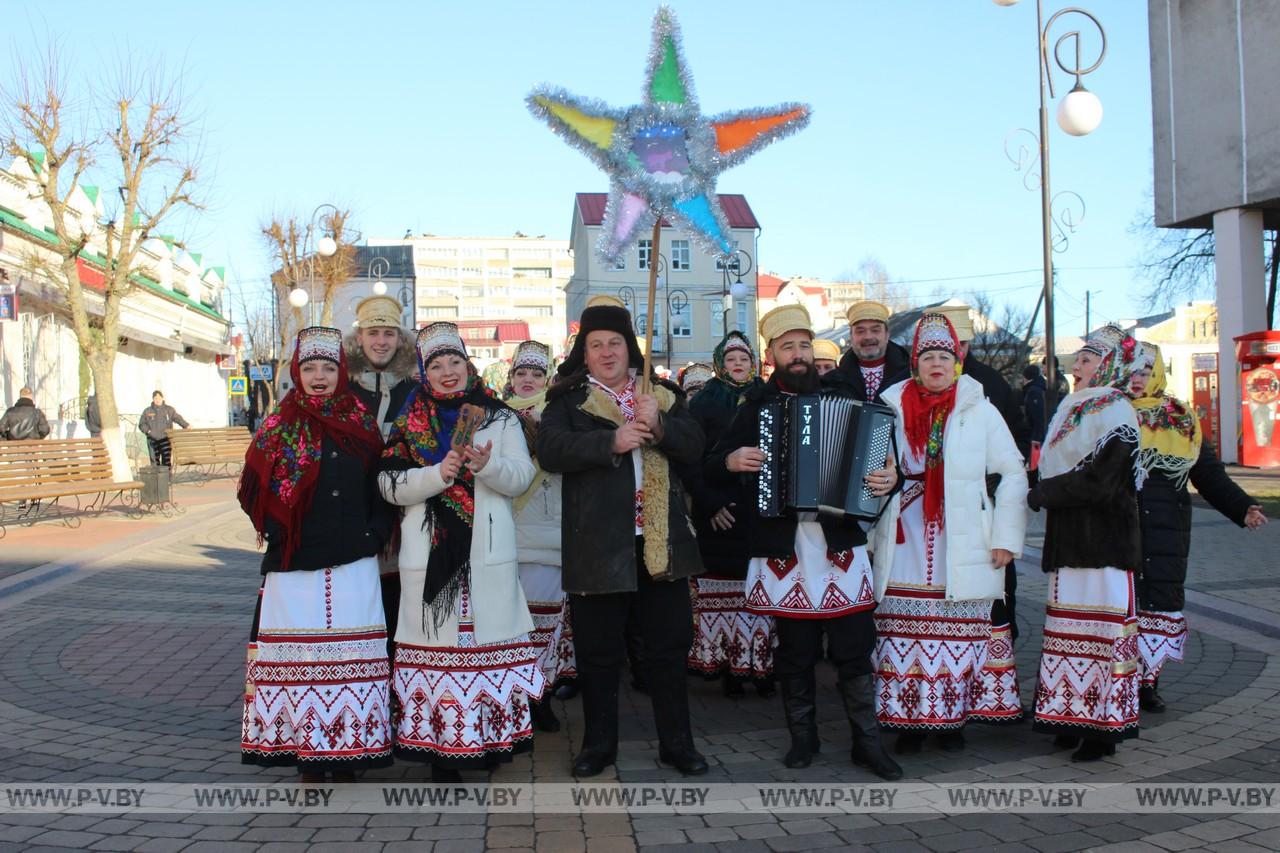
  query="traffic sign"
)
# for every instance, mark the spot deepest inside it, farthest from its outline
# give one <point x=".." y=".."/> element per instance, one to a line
<point x="260" y="372"/>
<point x="237" y="386"/>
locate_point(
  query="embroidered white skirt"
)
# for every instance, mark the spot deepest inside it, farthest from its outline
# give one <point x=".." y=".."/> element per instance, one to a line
<point x="1088" y="682"/>
<point x="549" y="607"/>
<point x="467" y="705"/>
<point x="1162" y="637"/>
<point x="728" y="637"/>
<point x="317" y="680"/>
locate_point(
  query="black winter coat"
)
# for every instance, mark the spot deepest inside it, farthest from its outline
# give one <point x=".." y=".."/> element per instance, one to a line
<point x="399" y="395"/>
<point x="897" y="367"/>
<point x="348" y="518"/>
<point x="1166" y="527"/>
<point x="598" y="531"/>
<point x="1093" y="512"/>
<point x="23" y="421"/>
<point x="772" y="537"/>
<point x="1000" y="394"/>
<point x="724" y="552"/>
<point x="1033" y="401"/>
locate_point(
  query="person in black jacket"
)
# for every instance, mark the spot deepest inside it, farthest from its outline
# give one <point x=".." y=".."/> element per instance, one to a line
<point x="1033" y="402"/>
<point x="873" y="362"/>
<point x="23" y="421"/>
<point x="155" y="422"/>
<point x="730" y="641"/>
<point x="308" y="487"/>
<point x="812" y="575"/>
<point x="1173" y="453"/>
<point x="1088" y="680"/>
<point x="627" y="544"/>
<point x="92" y="417"/>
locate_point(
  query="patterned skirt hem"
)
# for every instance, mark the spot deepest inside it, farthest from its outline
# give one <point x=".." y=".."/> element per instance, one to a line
<point x="921" y="726"/>
<point x="1002" y="719"/>
<point x="305" y="764"/>
<point x="1085" y="730"/>
<point x="482" y="760"/>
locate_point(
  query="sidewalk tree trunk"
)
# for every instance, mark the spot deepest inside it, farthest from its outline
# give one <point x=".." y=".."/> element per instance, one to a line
<point x="145" y="148"/>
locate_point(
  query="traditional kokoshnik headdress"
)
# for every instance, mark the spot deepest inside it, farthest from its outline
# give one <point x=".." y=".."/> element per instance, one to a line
<point x="437" y="339"/>
<point x="320" y="342"/>
<point x="696" y="375"/>
<point x="532" y="354"/>
<point x="933" y="332"/>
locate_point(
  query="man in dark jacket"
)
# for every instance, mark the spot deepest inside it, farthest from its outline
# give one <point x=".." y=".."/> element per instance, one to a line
<point x="627" y="540"/>
<point x="92" y="417"/>
<point x="23" y="421"/>
<point x="873" y="362"/>
<point x="811" y="574"/>
<point x="1033" y="402"/>
<point x="155" y="423"/>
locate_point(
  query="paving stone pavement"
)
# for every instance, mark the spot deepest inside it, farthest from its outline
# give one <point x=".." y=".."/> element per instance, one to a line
<point x="132" y="670"/>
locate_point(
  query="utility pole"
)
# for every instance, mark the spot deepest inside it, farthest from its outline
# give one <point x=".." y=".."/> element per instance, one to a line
<point x="1087" y="324"/>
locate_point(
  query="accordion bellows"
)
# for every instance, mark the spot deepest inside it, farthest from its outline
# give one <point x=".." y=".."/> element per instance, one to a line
<point x="819" y="449"/>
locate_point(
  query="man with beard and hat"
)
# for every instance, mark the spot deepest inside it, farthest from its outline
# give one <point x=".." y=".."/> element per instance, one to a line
<point x="627" y="543"/>
<point x="382" y="365"/>
<point x="873" y="362"/>
<point x="810" y="572"/>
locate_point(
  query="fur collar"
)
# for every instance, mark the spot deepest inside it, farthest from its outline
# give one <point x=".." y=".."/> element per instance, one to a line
<point x="403" y="366"/>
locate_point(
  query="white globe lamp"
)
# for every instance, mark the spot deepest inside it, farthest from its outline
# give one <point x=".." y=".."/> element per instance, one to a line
<point x="1005" y="2"/>
<point x="298" y="297"/>
<point x="379" y="288"/>
<point x="327" y="246"/>
<point x="739" y="289"/>
<point x="1080" y="112"/>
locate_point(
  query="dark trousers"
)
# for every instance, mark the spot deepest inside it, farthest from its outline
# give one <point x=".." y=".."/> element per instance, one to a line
<point x="850" y="641"/>
<point x="1007" y="610"/>
<point x="664" y="615"/>
<point x="159" y="448"/>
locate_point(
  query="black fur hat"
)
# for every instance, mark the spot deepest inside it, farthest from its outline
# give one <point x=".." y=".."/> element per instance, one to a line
<point x="601" y="318"/>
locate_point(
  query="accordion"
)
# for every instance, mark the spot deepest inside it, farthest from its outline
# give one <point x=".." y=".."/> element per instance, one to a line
<point x="818" y="450"/>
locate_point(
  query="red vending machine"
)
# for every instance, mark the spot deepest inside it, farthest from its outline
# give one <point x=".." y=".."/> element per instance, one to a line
<point x="1258" y="359"/>
<point x="1204" y="396"/>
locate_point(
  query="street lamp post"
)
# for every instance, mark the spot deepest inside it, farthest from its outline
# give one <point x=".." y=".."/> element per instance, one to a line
<point x="1079" y="114"/>
<point x="676" y="301"/>
<point x="738" y="289"/>
<point x="325" y="247"/>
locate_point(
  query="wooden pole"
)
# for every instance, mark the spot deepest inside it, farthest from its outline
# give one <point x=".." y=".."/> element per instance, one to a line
<point x="646" y="385"/>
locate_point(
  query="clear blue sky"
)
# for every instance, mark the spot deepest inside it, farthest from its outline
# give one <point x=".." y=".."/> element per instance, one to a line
<point x="412" y="115"/>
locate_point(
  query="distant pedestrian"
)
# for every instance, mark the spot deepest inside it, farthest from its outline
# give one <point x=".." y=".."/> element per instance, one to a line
<point x="24" y="421"/>
<point x="1033" y="389"/>
<point x="92" y="417"/>
<point x="155" y="423"/>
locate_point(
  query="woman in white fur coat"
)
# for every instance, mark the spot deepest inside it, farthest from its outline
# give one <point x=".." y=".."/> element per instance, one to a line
<point x="942" y="545"/>
<point x="465" y="667"/>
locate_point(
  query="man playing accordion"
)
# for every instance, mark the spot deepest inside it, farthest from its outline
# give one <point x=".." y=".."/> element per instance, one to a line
<point x="811" y="573"/>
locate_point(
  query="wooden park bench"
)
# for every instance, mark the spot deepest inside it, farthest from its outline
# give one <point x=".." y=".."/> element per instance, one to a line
<point x="35" y="476"/>
<point x="209" y="451"/>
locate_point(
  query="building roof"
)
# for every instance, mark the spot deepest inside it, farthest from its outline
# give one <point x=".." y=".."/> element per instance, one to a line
<point x="736" y="209"/>
<point x="490" y="332"/>
<point x="767" y="285"/>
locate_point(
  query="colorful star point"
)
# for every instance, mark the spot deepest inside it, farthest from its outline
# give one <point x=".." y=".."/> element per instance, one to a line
<point x="662" y="155"/>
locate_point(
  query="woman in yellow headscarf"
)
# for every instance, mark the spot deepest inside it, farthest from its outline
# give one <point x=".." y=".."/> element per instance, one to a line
<point x="1172" y="453"/>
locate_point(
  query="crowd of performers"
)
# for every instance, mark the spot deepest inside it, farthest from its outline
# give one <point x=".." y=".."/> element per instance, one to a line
<point x="440" y="558"/>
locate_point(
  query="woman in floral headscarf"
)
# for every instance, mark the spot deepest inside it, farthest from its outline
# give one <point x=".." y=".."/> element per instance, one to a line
<point x="1173" y="453"/>
<point x="942" y="545"/>
<point x="316" y="688"/>
<point x="729" y="641"/>
<point x="1089" y="477"/>
<point x="465" y="667"/>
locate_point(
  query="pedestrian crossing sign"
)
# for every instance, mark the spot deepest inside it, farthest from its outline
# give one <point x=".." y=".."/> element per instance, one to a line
<point x="237" y="386"/>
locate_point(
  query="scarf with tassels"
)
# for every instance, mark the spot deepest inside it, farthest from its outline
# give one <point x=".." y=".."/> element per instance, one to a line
<point x="1168" y="428"/>
<point x="427" y="428"/>
<point x="283" y="462"/>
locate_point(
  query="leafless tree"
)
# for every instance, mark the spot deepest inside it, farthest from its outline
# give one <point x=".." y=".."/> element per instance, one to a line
<point x="872" y="272"/>
<point x="999" y="343"/>
<point x="298" y="264"/>
<point x="1178" y="263"/>
<point x="136" y="136"/>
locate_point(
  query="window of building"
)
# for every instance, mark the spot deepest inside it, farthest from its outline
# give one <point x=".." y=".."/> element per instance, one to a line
<point x="473" y="291"/>
<point x="642" y="319"/>
<point x="645" y="248"/>
<point x="682" y="320"/>
<point x="438" y="313"/>
<point x="680" y="255"/>
<point x="473" y="310"/>
<point x="474" y="272"/>
<point x="717" y="319"/>
<point x="742" y="317"/>
<point x="539" y="310"/>
<point x="531" y="272"/>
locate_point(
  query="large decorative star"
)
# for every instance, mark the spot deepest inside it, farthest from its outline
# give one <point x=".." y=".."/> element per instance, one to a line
<point x="662" y="156"/>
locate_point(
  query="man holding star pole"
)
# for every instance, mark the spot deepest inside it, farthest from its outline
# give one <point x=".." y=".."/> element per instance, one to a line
<point x="662" y="157"/>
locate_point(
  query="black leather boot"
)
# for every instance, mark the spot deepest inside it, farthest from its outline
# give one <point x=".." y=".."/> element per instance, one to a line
<point x="600" y="716"/>
<point x="799" y="704"/>
<point x="858" y="694"/>
<point x="543" y="715"/>
<point x="669" y="691"/>
<point x="1149" y="698"/>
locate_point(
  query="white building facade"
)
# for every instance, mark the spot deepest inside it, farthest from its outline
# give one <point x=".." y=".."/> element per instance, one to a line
<point x="172" y="331"/>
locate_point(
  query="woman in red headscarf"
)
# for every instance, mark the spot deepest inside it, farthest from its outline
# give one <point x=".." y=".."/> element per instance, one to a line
<point x="942" y="545"/>
<point x="317" y="686"/>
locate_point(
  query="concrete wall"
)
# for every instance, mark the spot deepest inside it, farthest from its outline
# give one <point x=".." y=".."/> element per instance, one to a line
<point x="1215" y="92"/>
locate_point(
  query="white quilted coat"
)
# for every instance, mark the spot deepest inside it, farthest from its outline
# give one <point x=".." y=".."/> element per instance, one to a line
<point x="498" y="603"/>
<point x="975" y="442"/>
